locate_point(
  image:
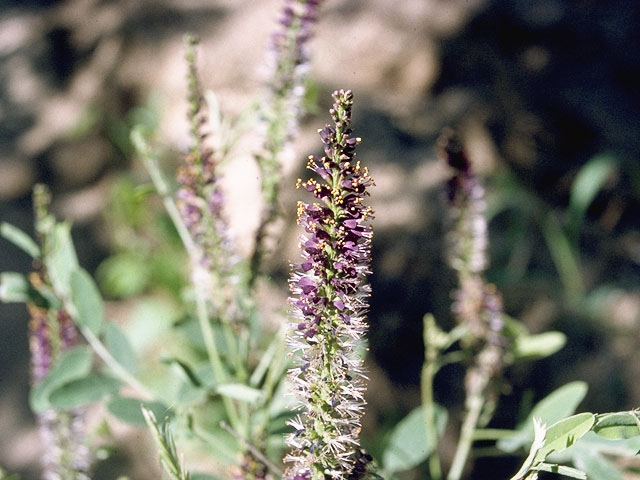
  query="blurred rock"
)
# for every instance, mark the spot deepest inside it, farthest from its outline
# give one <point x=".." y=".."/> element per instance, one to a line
<point x="17" y="176"/>
<point x="81" y="162"/>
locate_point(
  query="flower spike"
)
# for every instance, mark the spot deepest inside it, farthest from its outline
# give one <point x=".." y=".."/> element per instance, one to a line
<point x="329" y="304"/>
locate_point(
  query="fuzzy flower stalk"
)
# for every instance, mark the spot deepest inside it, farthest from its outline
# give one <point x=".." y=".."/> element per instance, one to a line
<point x="477" y="304"/>
<point x="51" y="333"/>
<point x="287" y="64"/>
<point x="200" y="199"/>
<point x="216" y="275"/>
<point x="329" y="304"/>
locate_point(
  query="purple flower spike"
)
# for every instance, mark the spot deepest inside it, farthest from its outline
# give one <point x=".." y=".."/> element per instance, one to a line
<point x="468" y="239"/>
<point x="477" y="303"/>
<point x="329" y="292"/>
<point x="288" y="68"/>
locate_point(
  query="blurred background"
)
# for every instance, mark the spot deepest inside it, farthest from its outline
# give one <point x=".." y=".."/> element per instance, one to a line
<point x="546" y="95"/>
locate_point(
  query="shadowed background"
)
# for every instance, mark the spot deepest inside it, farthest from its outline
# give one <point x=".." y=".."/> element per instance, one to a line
<point x="538" y="90"/>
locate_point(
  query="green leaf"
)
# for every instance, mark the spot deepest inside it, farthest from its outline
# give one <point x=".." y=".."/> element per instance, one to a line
<point x="589" y="181"/>
<point x="124" y="275"/>
<point x="557" y="405"/>
<point x="184" y="370"/>
<point x="619" y="425"/>
<point x="538" y="346"/>
<point x="149" y="318"/>
<point x="565" y="257"/>
<point x="281" y="403"/>
<point x="629" y="447"/>
<point x="83" y="391"/>
<point x="539" y="434"/>
<point x="62" y="259"/>
<point x="265" y="361"/>
<point x="238" y="391"/>
<point x="118" y="345"/>
<point x="87" y="300"/>
<point x="73" y="364"/>
<point x="595" y="465"/>
<point x="20" y="239"/>
<point x="409" y="443"/>
<point x="191" y="390"/>
<point x="14" y="288"/>
<point x="562" y="470"/>
<point x="563" y="434"/>
<point x="129" y="410"/>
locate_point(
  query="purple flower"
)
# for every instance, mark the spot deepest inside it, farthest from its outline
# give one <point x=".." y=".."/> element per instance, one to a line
<point x="63" y="436"/>
<point x="477" y="304"/>
<point x="51" y="333"/>
<point x="39" y="344"/>
<point x="329" y="305"/>
<point x="287" y="66"/>
<point x="199" y="199"/>
<point x="468" y="235"/>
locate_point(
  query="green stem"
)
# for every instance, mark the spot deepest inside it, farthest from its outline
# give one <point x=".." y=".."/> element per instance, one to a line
<point x="474" y="405"/>
<point x="429" y="370"/>
<point x="113" y="364"/>
<point x="428" y="406"/>
<point x="254" y="451"/>
<point x="492" y="433"/>
<point x="565" y="258"/>
<point x="213" y="354"/>
<point x="163" y="190"/>
<point x="201" y="305"/>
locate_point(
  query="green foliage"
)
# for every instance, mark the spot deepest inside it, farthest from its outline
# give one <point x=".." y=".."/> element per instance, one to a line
<point x="61" y="260"/>
<point x="129" y="409"/>
<point x="409" y="443"/>
<point x="239" y="392"/>
<point x="120" y="348"/>
<point x="533" y="347"/>
<point x="87" y="301"/>
<point x="595" y="465"/>
<point x="620" y="425"/>
<point x="83" y="391"/>
<point x="14" y="288"/>
<point x="124" y="275"/>
<point x="564" y="433"/>
<point x="588" y="182"/>
<point x="73" y="364"/>
<point x="171" y="462"/>
<point x="553" y="408"/>
<point x="8" y="476"/>
<point x="19" y="239"/>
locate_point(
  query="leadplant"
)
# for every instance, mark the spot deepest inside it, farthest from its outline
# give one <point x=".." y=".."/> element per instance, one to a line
<point x="51" y="334"/>
<point x="170" y="460"/>
<point x="288" y="67"/>
<point x="329" y="305"/>
<point x="477" y="304"/>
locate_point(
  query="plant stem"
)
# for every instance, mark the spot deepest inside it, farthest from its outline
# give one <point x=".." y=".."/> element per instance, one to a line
<point x="492" y="433"/>
<point x="213" y="354"/>
<point x="429" y="370"/>
<point x="201" y="304"/>
<point x="113" y="364"/>
<point x="254" y="451"/>
<point x="474" y="406"/>
<point x="163" y="190"/>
